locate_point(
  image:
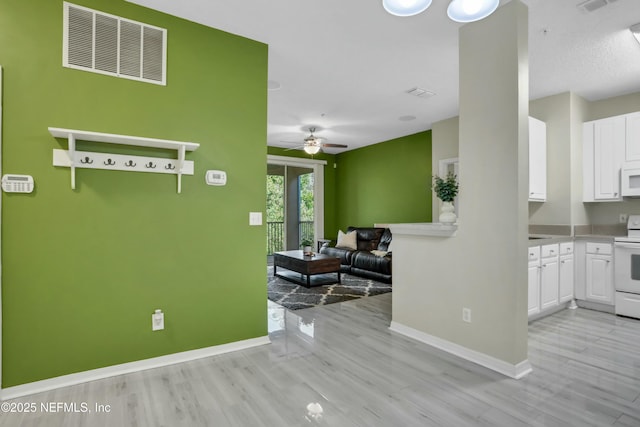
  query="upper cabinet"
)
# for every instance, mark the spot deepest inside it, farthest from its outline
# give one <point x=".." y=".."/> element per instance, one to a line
<point x="537" y="160"/>
<point x="604" y="146"/>
<point x="632" y="145"/>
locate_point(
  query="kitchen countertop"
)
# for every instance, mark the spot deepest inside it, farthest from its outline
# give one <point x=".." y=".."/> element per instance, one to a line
<point x="546" y="239"/>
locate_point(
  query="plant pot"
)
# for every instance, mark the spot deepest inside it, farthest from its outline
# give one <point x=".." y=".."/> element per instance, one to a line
<point x="307" y="250"/>
<point x="447" y="213"/>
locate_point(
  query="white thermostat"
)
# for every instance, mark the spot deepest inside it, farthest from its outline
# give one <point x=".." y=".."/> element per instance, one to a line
<point x="17" y="183"/>
<point x="216" y="177"/>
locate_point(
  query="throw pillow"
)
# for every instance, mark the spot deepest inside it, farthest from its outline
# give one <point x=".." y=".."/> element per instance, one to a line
<point x="389" y="247"/>
<point x="347" y="241"/>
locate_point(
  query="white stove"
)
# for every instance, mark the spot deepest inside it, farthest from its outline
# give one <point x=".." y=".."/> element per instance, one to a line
<point x="627" y="270"/>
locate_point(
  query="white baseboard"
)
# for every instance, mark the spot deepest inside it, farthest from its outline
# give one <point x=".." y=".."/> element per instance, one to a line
<point x="513" y="371"/>
<point x="126" y="368"/>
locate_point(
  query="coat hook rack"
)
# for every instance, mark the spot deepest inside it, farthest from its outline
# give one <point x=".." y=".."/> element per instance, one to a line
<point x="75" y="159"/>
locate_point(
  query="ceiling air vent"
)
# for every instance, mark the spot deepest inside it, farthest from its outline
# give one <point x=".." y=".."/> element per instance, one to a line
<point x="107" y="44"/>
<point x="592" y="5"/>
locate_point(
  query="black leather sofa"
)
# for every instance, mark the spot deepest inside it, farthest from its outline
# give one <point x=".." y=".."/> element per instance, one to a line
<point x="361" y="262"/>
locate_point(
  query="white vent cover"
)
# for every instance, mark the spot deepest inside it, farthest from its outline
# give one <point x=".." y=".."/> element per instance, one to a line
<point x="592" y="5"/>
<point x="106" y="44"/>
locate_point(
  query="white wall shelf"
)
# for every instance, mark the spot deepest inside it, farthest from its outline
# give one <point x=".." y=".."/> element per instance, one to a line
<point x="89" y="160"/>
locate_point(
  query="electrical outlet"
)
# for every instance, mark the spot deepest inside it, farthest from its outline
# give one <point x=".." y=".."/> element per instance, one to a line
<point x="466" y="314"/>
<point x="157" y="320"/>
<point x="623" y="218"/>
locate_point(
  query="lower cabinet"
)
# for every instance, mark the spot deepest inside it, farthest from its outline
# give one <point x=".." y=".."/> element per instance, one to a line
<point x="566" y="277"/>
<point x="551" y="276"/>
<point x="599" y="273"/>
<point x="534" y="280"/>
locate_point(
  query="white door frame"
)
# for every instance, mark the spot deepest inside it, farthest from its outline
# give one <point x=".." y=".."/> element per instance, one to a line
<point x="318" y="186"/>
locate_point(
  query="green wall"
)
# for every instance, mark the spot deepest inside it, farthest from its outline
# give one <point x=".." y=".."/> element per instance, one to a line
<point x="83" y="270"/>
<point x="385" y="183"/>
<point x="330" y="224"/>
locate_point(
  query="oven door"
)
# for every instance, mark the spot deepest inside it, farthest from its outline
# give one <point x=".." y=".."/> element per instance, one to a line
<point x="627" y="267"/>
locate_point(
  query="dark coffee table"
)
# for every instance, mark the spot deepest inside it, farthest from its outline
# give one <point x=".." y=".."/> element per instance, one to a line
<point x="306" y="265"/>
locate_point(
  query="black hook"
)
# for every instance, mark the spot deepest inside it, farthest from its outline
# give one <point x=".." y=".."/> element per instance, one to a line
<point x="169" y="167"/>
<point x="86" y="160"/>
<point x="150" y="165"/>
<point x="109" y="162"/>
<point x="130" y="164"/>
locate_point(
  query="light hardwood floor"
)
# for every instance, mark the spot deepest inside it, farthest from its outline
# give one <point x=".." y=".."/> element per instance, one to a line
<point x="344" y="358"/>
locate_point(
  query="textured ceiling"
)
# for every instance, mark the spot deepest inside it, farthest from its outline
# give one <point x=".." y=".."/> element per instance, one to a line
<point x="344" y="66"/>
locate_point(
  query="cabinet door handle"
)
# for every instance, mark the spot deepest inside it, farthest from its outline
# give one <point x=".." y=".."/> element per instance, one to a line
<point x="562" y="262"/>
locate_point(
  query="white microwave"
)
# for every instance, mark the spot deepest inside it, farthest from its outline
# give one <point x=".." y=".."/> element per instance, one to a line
<point x="630" y="178"/>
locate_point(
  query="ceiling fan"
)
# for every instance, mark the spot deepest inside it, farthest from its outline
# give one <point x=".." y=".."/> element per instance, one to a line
<point x="313" y="144"/>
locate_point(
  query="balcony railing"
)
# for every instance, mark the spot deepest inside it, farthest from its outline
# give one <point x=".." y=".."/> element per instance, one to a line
<point x="305" y="230"/>
<point x="275" y="234"/>
<point x="275" y="237"/>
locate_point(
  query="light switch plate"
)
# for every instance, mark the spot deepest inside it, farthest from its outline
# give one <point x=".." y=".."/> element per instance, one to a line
<point x="255" y="218"/>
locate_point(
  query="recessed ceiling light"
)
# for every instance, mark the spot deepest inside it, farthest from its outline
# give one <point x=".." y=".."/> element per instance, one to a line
<point x="406" y="118"/>
<point x="273" y="85"/>
<point x="405" y="7"/>
<point x="471" y="10"/>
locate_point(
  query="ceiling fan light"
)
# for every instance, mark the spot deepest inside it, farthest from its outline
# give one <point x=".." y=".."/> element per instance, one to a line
<point x="405" y="7"/>
<point x="471" y="10"/>
<point x="311" y="149"/>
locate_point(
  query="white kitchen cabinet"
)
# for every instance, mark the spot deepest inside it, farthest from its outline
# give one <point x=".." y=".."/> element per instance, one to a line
<point x="549" y="277"/>
<point x="599" y="273"/>
<point x="603" y="154"/>
<point x="537" y="160"/>
<point x="566" y="273"/>
<point x="632" y="137"/>
<point x="534" y="280"/>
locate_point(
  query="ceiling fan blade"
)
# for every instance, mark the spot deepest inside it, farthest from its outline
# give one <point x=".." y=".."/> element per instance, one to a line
<point x="334" y="145"/>
<point x="299" y="147"/>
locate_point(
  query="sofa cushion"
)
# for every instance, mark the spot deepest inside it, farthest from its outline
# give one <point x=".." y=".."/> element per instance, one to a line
<point x="343" y="254"/>
<point x="368" y="261"/>
<point x="368" y="237"/>
<point x="385" y="241"/>
<point x="347" y="240"/>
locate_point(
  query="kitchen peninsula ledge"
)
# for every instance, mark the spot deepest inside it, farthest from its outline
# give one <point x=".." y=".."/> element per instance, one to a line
<point x="424" y="229"/>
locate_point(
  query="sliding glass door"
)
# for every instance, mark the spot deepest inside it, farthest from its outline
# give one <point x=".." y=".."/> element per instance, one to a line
<point x="294" y="197"/>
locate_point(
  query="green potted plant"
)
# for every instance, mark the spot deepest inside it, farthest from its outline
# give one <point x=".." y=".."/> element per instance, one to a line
<point x="446" y="189"/>
<point x="307" y="246"/>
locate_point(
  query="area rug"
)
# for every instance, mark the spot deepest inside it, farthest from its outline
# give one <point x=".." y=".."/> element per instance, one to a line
<point x="295" y="297"/>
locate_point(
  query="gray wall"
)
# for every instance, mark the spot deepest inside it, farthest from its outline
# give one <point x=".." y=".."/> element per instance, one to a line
<point x="484" y="266"/>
